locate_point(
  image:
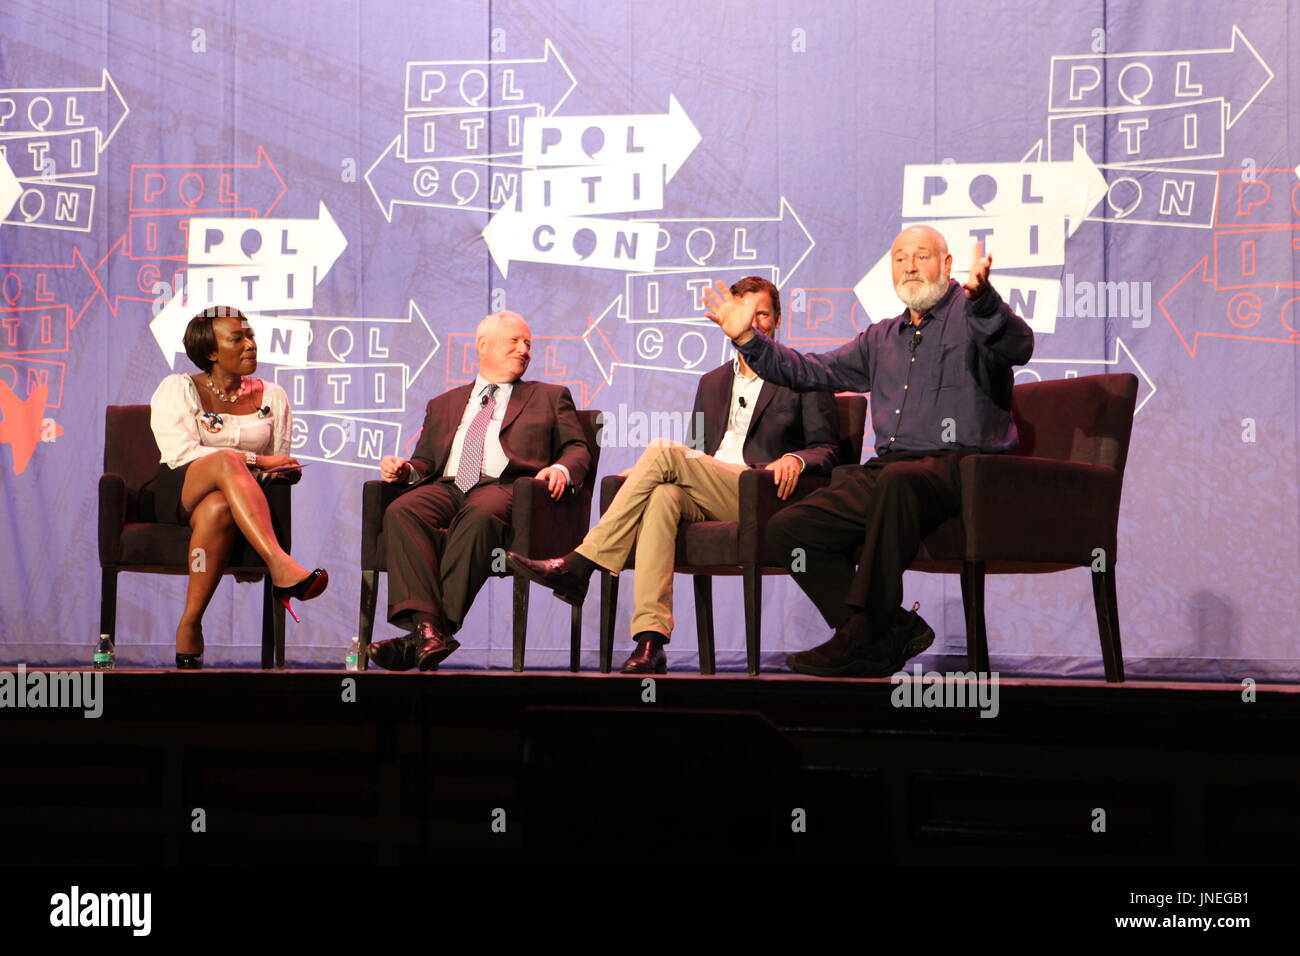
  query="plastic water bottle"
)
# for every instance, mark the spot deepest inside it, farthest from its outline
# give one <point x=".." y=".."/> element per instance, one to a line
<point x="353" y="655"/>
<point x="105" y="657"/>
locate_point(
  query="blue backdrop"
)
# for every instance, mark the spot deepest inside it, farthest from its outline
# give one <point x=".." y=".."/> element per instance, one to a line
<point x="373" y="178"/>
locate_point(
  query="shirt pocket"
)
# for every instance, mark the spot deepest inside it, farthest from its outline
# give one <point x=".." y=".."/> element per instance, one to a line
<point x="953" y="366"/>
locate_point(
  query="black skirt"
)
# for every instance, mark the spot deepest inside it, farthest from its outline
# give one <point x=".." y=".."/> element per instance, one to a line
<point x="160" y="499"/>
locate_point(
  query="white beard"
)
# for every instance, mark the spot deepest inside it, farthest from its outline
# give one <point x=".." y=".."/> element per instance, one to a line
<point x="921" y="299"/>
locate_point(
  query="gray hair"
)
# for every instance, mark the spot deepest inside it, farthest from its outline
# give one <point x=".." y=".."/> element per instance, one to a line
<point x="490" y="323"/>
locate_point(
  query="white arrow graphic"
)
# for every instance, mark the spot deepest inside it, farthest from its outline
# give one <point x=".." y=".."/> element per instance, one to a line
<point x="68" y="115"/>
<point x="571" y="241"/>
<point x="1029" y="191"/>
<point x="375" y="349"/>
<point x="168" y="328"/>
<point x="734" y="242"/>
<point x="455" y="84"/>
<point x="1080" y="77"/>
<point x="608" y="139"/>
<point x="1123" y="357"/>
<point x="268" y="242"/>
<point x="10" y="188"/>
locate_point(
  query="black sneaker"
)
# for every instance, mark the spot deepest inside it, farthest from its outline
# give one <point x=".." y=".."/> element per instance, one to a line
<point x="908" y="636"/>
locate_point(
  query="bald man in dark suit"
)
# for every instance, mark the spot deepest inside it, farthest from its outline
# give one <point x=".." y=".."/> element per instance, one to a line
<point x="746" y="423"/>
<point x="440" y="535"/>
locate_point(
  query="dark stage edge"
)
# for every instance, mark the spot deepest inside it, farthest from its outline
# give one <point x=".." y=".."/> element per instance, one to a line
<point x="491" y="768"/>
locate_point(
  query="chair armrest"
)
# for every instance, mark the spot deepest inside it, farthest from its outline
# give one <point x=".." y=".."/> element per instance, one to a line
<point x="376" y="496"/>
<point x="1018" y="508"/>
<point x="609" y="487"/>
<point x="543" y="527"/>
<point x="758" y="503"/>
<point x="112" y="516"/>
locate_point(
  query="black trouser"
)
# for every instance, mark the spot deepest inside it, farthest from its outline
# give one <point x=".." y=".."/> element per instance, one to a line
<point x="882" y="509"/>
<point x="439" y="543"/>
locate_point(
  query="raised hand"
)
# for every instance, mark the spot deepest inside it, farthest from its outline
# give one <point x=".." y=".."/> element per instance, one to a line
<point x="978" y="279"/>
<point x="734" y="314"/>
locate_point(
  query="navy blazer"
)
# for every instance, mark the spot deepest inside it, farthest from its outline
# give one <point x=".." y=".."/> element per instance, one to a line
<point x="784" y="422"/>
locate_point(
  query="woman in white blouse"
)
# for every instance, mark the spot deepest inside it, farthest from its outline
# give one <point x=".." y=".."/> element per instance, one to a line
<point x="220" y="434"/>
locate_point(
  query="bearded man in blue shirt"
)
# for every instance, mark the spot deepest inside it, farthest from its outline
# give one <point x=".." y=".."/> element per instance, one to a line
<point x="940" y="378"/>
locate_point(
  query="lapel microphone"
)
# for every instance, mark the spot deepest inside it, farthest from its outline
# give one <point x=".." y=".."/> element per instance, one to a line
<point x="484" y="401"/>
<point x="264" y="411"/>
<point x="742" y="402"/>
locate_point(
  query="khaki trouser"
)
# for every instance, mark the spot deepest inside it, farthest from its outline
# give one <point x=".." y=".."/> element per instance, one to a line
<point x="671" y="483"/>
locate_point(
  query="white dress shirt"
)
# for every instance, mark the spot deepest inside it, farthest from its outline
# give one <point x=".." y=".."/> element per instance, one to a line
<point x="494" y="456"/>
<point x="732" y="449"/>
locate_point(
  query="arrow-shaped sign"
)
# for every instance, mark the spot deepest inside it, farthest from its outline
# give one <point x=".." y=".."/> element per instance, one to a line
<point x="571" y="241"/>
<point x="1029" y="191"/>
<point x="738" y="243"/>
<point x="361" y="339"/>
<point x="281" y="340"/>
<point x="32" y="285"/>
<point x="457" y="84"/>
<point x="268" y="242"/>
<point x="442" y="184"/>
<point x="1246" y="314"/>
<point x="1159" y="78"/>
<point x="10" y="188"/>
<point x="198" y="187"/>
<point x="1124" y="360"/>
<point x="67" y="108"/>
<point x="608" y="140"/>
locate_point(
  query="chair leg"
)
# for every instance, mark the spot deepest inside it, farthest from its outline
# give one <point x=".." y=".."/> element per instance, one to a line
<point x="366" y="623"/>
<point x="1103" y="597"/>
<point x="753" y="575"/>
<point x="268" y="622"/>
<point x="277" y="623"/>
<point x="972" y="598"/>
<point x="108" y="603"/>
<point x="520" y="621"/>
<point x="575" y="638"/>
<point x="704" y="621"/>
<point x="608" y="615"/>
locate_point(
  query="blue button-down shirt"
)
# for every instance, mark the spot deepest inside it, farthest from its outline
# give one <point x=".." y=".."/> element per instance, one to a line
<point x="945" y="383"/>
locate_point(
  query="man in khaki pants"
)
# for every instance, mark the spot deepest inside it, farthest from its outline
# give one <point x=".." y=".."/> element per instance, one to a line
<point x="747" y="423"/>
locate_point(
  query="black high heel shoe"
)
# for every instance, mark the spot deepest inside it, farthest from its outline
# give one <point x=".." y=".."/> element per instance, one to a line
<point x="189" y="662"/>
<point x="309" y="587"/>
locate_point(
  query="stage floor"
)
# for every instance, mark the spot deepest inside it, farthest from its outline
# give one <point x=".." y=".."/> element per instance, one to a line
<point x="498" y="768"/>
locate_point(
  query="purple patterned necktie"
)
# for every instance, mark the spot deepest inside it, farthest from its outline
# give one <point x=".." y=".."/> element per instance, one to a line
<point x="470" y="468"/>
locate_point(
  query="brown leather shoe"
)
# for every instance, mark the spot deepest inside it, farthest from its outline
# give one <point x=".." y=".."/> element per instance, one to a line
<point x="648" y="658"/>
<point x="431" y="647"/>
<point x="557" y="574"/>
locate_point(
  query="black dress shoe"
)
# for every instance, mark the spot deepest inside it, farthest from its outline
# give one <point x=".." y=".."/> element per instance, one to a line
<point x="648" y="658"/>
<point x="189" y="662"/>
<point x="559" y="574"/>
<point x="431" y="648"/>
<point x="396" y="654"/>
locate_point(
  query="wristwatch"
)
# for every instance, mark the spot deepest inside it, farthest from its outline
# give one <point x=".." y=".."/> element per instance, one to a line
<point x="250" y="459"/>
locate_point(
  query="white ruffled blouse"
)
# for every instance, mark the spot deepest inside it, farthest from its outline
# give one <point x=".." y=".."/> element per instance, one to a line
<point x="184" y="431"/>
